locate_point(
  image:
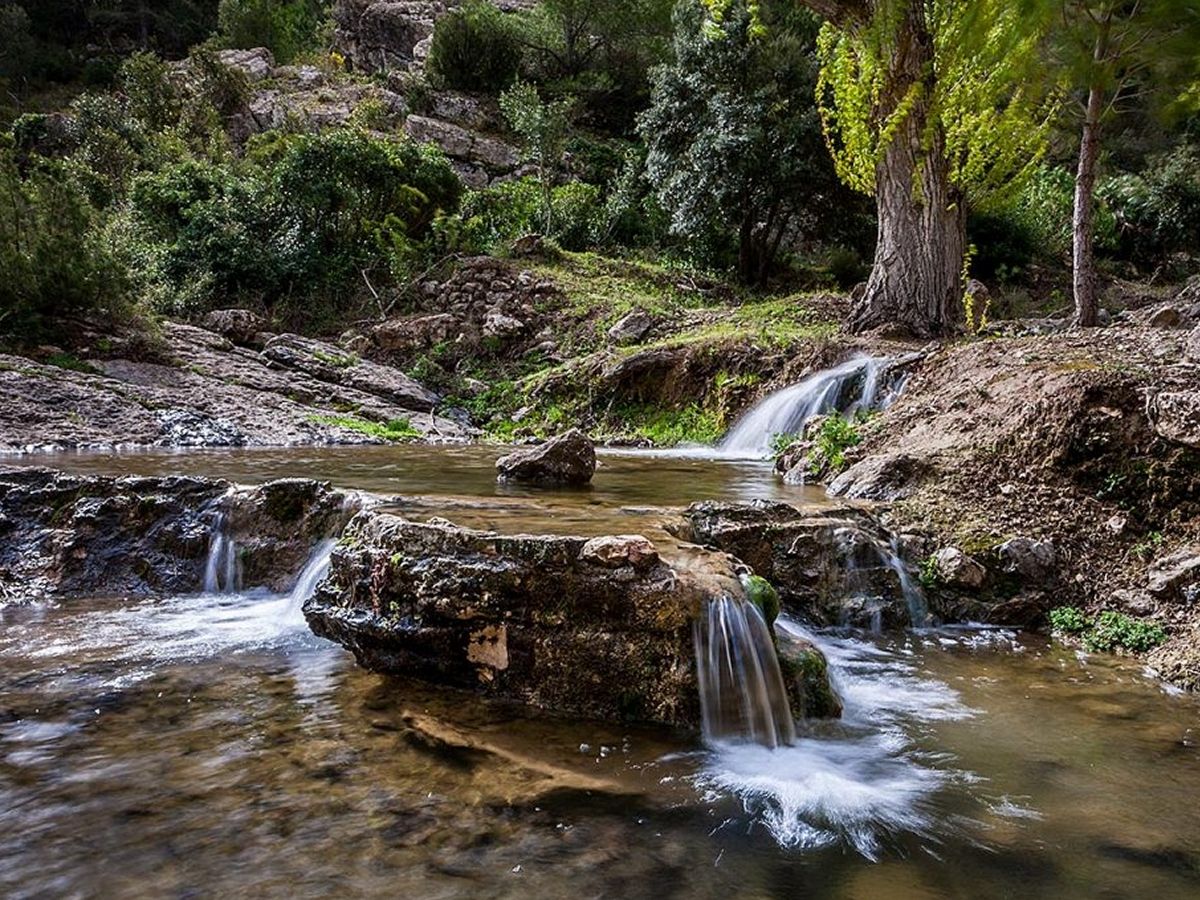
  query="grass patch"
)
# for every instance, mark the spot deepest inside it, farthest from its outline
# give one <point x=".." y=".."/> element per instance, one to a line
<point x="392" y="430"/>
<point x="74" y="363"/>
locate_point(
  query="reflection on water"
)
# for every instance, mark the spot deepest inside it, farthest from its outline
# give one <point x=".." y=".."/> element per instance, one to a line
<point x="210" y="746"/>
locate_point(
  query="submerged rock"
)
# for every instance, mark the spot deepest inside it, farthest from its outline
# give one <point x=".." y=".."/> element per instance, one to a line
<point x="569" y="458"/>
<point x="65" y="536"/>
<point x="600" y="627"/>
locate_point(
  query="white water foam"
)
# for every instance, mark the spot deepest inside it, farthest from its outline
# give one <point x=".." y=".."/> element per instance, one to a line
<point x="848" y="388"/>
<point x="859" y="782"/>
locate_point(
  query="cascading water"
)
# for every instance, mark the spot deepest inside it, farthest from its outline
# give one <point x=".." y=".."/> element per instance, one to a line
<point x="314" y="570"/>
<point x="742" y="696"/>
<point x="848" y="388"/>
<point x="914" y="597"/>
<point x="221" y="570"/>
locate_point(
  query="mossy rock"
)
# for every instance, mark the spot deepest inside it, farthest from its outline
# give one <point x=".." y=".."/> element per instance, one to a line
<point x="806" y="677"/>
<point x="762" y="594"/>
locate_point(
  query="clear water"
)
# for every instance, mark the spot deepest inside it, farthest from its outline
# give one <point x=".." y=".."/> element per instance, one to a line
<point x="210" y="746"/>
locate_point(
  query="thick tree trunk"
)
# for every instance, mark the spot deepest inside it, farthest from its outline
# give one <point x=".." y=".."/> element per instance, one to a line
<point x="916" y="279"/>
<point x="1087" y="307"/>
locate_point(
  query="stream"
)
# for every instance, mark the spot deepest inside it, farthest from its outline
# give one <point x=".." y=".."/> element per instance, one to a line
<point x="211" y="746"/>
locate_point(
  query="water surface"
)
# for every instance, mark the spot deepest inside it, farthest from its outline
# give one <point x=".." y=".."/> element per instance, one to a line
<point x="211" y="746"/>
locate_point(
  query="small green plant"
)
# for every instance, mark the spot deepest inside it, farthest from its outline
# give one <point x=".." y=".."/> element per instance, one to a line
<point x="1115" y="631"/>
<point x="392" y="430"/>
<point x="834" y="437"/>
<point x="781" y="443"/>
<point x="1068" y="620"/>
<point x="1148" y="546"/>
<point x="1109" y="631"/>
<point x="929" y="574"/>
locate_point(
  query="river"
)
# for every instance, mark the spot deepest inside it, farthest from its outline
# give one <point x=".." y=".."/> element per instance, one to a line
<point x="210" y="746"/>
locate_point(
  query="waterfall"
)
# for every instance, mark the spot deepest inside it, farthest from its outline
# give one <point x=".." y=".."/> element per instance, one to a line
<point x="221" y="570"/>
<point x="742" y="695"/>
<point x="848" y="388"/>
<point x="314" y="570"/>
<point x="914" y="596"/>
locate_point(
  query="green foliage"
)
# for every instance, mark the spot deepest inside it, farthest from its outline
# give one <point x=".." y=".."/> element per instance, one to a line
<point x="693" y="424"/>
<point x="288" y="28"/>
<point x="542" y="128"/>
<point x="734" y="142"/>
<point x="596" y="50"/>
<point x="1156" y="212"/>
<point x="930" y="573"/>
<point x="392" y="430"/>
<point x="18" y="50"/>
<point x="781" y="442"/>
<point x="1116" y="631"/>
<point x="986" y="105"/>
<point x="297" y="226"/>
<point x="1109" y="631"/>
<point x="1069" y="620"/>
<point x="474" y="48"/>
<point x="835" y="435"/>
<point x="54" y="261"/>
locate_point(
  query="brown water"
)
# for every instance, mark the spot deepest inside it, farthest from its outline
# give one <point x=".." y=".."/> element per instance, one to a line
<point x="209" y="746"/>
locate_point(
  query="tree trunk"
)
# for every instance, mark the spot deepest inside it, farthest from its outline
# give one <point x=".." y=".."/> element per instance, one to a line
<point x="1083" y="273"/>
<point x="916" y="279"/>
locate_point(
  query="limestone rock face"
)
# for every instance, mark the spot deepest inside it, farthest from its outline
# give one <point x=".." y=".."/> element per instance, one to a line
<point x="600" y="627"/>
<point x="64" y="536"/>
<point x="326" y="362"/>
<point x="569" y="458"/>
<point x="829" y="565"/>
<point x="885" y="477"/>
<point x="1176" y="417"/>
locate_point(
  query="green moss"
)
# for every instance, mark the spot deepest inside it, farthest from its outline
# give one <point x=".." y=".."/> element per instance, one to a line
<point x="392" y="430"/>
<point x="74" y="363"/>
<point x="338" y="361"/>
<point x="762" y="594"/>
<point x="807" y="671"/>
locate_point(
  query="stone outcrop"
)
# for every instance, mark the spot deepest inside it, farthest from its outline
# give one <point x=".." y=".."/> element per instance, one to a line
<point x="833" y="566"/>
<point x="485" y="307"/>
<point x="64" y="536"/>
<point x="567" y="459"/>
<point x="197" y="389"/>
<point x="600" y="627"/>
<point x="476" y="157"/>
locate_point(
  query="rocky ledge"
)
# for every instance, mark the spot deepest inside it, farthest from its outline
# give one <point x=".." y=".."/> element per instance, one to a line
<point x="600" y="627"/>
<point x="195" y="387"/>
<point x="64" y="536"/>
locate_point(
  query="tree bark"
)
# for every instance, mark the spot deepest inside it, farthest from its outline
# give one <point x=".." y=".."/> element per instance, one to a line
<point x="1083" y="271"/>
<point x="916" y="279"/>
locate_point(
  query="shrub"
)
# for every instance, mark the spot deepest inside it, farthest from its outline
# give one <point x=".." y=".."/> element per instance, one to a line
<point x="835" y="435"/>
<point x="474" y="49"/>
<point x="1157" y="212"/>
<point x="575" y="213"/>
<point x="302" y="225"/>
<point x="287" y="28"/>
<point x="53" y="258"/>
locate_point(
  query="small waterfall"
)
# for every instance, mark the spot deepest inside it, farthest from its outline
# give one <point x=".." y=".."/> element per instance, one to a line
<point x="848" y="388"/>
<point x="314" y="570"/>
<point x="914" y="596"/>
<point x="742" y="695"/>
<point x="221" y="574"/>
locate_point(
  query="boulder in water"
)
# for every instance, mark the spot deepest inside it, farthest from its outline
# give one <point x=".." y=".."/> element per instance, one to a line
<point x="599" y="627"/>
<point x="569" y="458"/>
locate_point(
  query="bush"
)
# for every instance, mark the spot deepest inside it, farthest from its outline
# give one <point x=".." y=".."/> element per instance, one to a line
<point x="1157" y="212"/>
<point x="287" y="28"/>
<point x="835" y="435"/>
<point x="1068" y="620"/>
<point x="1113" y="631"/>
<point x="301" y="226"/>
<point x="53" y="258"/>
<point x="474" y="49"/>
